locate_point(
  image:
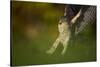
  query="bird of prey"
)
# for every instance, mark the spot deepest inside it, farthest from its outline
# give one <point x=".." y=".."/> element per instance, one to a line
<point x="82" y="15"/>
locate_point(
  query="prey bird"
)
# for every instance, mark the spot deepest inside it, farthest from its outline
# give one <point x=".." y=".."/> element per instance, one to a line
<point x="72" y="15"/>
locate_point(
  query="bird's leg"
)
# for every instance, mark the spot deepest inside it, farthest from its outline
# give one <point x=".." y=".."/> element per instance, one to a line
<point x="54" y="46"/>
<point x="65" y="45"/>
<point x="64" y="49"/>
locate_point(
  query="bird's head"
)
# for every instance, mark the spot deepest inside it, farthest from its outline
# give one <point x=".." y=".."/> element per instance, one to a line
<point x="64" y="20"/>
<point x="63" y="24"/>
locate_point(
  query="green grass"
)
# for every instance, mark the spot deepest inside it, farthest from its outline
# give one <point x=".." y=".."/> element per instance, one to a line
<point x="82" y="48"/>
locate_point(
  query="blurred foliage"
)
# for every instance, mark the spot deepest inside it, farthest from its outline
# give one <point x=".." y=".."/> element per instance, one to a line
<point x="34" y="29"/>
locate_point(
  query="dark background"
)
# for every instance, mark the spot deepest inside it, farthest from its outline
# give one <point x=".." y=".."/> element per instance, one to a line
<point x="34" y="29"/>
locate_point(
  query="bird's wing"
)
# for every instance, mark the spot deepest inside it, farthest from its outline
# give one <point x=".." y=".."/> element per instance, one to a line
<point x="89" y="16"/>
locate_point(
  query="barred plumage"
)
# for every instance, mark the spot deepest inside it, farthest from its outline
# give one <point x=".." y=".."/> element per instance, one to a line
<point x="89" y="17"/>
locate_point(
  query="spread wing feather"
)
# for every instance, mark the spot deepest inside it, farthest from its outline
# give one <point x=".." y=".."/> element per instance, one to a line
<point x="89" y="16"/>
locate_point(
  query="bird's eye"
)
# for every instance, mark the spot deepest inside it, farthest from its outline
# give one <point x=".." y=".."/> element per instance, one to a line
<point x="60" y="23"/>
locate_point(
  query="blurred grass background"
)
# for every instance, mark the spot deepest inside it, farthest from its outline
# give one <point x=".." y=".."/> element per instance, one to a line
<point x="34" y="29"/>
